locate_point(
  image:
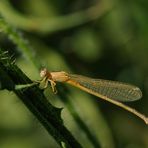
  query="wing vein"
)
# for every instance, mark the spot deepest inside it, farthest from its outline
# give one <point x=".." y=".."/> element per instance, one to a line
<point x="115" y="90"/>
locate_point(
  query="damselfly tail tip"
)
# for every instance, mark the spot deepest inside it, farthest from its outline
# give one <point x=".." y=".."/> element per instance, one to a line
<point x="146" y="120"/>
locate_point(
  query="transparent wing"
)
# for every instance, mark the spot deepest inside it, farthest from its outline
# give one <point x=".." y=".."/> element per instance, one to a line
<point x="114" y="90"/>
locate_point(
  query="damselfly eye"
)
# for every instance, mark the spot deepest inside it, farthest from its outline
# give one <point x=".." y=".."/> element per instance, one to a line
<point x="43" y="72"/>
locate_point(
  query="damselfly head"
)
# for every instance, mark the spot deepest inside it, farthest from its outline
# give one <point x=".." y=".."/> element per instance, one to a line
<point x="43" y="73"/>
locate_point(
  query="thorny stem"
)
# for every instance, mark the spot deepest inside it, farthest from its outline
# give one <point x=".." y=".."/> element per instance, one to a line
<point x="34" y="99"/>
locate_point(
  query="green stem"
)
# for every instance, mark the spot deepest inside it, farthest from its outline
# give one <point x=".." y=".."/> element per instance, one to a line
<point x="49" y="25"/>
<point x="36" y="102"/>
<point x="92" y="138"/>
<point x="17" y="38"/>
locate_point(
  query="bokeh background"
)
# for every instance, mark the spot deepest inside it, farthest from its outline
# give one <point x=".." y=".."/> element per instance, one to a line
<point x="105" y="39"/>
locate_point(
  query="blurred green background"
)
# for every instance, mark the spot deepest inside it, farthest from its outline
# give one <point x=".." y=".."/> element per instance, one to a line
<point x="102" y="39"/>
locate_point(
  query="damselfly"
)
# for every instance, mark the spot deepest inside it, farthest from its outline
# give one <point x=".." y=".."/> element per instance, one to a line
<point x="111" y="91"/>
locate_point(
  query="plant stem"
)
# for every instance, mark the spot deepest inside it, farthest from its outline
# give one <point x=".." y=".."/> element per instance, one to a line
<point x="49" y="25"/>
<point x="34" y="99"/>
